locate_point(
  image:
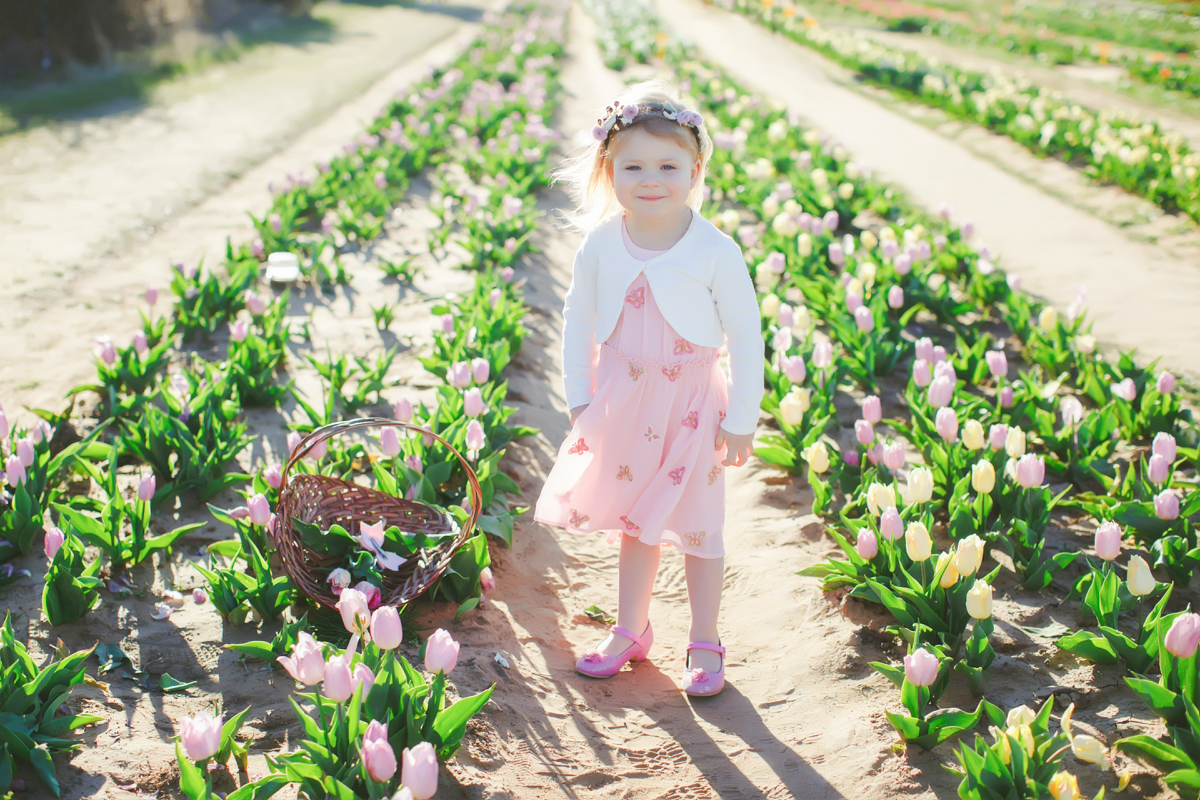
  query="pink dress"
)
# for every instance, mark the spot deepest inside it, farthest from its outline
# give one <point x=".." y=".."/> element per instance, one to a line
<point x="640" y="459"/>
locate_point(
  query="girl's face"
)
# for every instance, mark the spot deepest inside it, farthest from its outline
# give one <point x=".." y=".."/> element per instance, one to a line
<point x="652" y="175"/>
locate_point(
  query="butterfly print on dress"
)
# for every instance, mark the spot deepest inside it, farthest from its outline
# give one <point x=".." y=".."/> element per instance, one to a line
<point x="692" y="420"/>
<point x="623" y="474"/>
<point x="677" y="475"/>
<point x="683" y="346"/>
<point x="630" y="524"/>
<point x="672" y="373"/>
<point x="578" y="448"/>
<point x="695" y="538"/>
<point x="578" y="519"/>
<point x="637" y="297"/>
<point x="713" y="474"/>
<point x="635" y="370"/>
<point x="650" y="434"/>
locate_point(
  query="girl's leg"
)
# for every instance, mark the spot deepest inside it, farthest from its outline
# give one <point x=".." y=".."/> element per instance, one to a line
<point x="636" y="572"/>
<point x="705" y="580"/>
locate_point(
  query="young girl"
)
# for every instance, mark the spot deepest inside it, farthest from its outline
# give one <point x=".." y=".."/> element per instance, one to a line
<point x="656" y="291"/>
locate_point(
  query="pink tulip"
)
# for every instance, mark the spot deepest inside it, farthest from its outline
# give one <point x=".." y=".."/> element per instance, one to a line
<point x="260" y="509"/>
<point x="199" y="596"/>
<point x="853" y="301"/>
<point x="53" y="541"/>
<point x="1166" y="505"/>
<point x="925" y="349"/>
<point x="25" y="451"/>
<point x="356" y="614"/>
<point x="146" y="488"/>
<point x="793" y="368"/>
<point x="403" y="410"/>
<point x="276" y="222"/>
<point x="293" y="441"/>
<point x="386" y="630"/>
<point x="1166" y="382"/>
<point x="257" y="248"/>
<point x="389" y="442"/>
<point x="494" y="297"/>
<point x="864" y="432"/>
<point x="458" y="375"/>
<point x="371" y="592"/>
<point x="414" y="463"/>
<point x="305" y="664"/>
<point x="376" y="732"/>
<point x="273" y="475"/>
<point x="447" y="321"/>
<point x="830" y="220"/>
<point x="480" y="369"/>
<point x="139" y="341"/>
<point x="921" y="668"/>
<point x="441" y="652"/>
<point x="201" y="736"/>
<point x="920" y="373"/>
<point x="476" y="438"/>
<point x="851" y="457"/>
<point x="380" y="180"/>
<point x="902" y="264"/>
<point x="875" y="453"/>
<point x="14" y="471"/>
<point x="339" y="678"/>
<point x="338" y="579"/>
<point x="1125" y="390"/>
<point x="872" y="409"/>
<point x="895" y="297"/>
<point x="1164" y="445"/>
<point x="363" y="677"/>
<point x="507" y="274"/>
<point x="238" y="331"/>
<point x="1006" y="397"/>
<point x="893" y="456"/>
<point x="1184" y="635"/>
<point x="1071" y="411"/>
<point x="473" y="404"/>
<point x="943" y="367"/>
<point x="419" y="770"/>
<point x="318" y="450"/>
<point x="151" y="295"/>
<point x="867" y="545"/>
<point x="941" y="391"/>
<point x="1108" y="540"/>
<point x="864" y="319"/>
<point x="1158" y="469"/>
<point x="786" y="317"/>
<point x="487" y="581"/>
<point x="510" y="245"/>
<point x="254" y="303"/>
<point x="836" y="254"/>
<point x="379" y="760"/>
<point x="939" y="357"/>
<point x="996" y="436"/>
<point x="997" y="363"/>
<point x="946" y="424"/>
<point x="1031" y="470"/>
<point x="891" y="527"/>
<point x="105" y="350"/>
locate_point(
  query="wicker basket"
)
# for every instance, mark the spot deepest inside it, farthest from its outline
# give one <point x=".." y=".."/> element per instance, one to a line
<point x="325" y="501"/>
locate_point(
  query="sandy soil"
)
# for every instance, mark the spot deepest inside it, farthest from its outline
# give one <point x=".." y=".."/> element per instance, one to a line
<point x="803" y="713"/>
<point x="1053" y="246"/>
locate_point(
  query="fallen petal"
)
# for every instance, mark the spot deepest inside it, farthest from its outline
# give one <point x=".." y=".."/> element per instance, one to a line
<point x="501" y="660"/>
<point x="161" y="611"/>
<point x="172" y="597"/>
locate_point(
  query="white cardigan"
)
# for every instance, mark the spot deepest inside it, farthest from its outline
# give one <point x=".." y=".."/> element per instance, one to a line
<point x="704" y="291"/>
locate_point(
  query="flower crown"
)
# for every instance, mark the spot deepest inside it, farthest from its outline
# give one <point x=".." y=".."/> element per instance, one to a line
<point x="622" y="116"/>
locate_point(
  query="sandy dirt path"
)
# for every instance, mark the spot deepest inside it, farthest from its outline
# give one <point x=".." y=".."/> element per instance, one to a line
<point x="72" y="215"/>
<point x="1139" y="295"/>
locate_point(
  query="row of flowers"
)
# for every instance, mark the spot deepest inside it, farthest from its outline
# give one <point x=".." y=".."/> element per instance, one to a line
<point x="976" y="442"/>
<point x="1141" y="157"/>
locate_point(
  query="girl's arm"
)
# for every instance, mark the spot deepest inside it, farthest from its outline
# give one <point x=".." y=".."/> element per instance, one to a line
<point x="580" y="351"/>
<point x="737" y="307"/>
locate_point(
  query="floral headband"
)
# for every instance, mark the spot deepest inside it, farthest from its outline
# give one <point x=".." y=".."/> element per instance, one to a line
<point x="624" y="115"/>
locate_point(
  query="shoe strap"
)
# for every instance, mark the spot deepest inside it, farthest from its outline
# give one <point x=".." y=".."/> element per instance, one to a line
<point x="633" y="637"/>
<point x="716" y="648"/>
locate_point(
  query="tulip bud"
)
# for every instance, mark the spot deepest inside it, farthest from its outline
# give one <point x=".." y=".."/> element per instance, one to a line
<point x="1006" y="397"/>
<point x="920" y="485"/>
<point x="473" y="404"/>
<point x="770" y="306"/>
<point x="1021" y="715"/>
<point x="338" y="579"/>
<point x="921" y="668"/>
<point x="25" y="451"/>
<point x="363" y="677"/>
<point x="1108" y="541"/>
<point x="925" y="349"/>
<point x="893" y="456"/>
<point x="968" y="556"/>
<point x="389" y="443"/>
<point x="979" y="600"/>
<point x="441" y="652"/>
<point x="260" y="510"/>
<point x="945" y="565"/>
<point x="983" y="477"/>
<point x="895" y="297"/>
<point x="1157" y="470"/>
<point x="139" y="341"/>
<point x="817" y="456"/>
<point x="1166" y="505"/>
<point x="403" y="410"/>
<point x="379" y="759"/>
<point x="946" y="423"/>
<point x="1071" y="411"/>
<point x="53" y="541"/>
<point x="891" y="527"/>
<point x="1165" y="383"/>
<point x="880" y="498"/>
<point x="941" y="391"/>
<point x="1014" y="442"/>
<point x="864" y="319"/>
<point x="487" y="581"/>
<point x="146" y="488"/>
<point x="338" y="684"/>
<point x="1031" y="470"/>
<point x="419" y="770"/>
<point x="872" y="410"/>
<point x="458" y="375"/>
<point x="254" y="303"/>
<point x="1085" y="344"/>
<point x="1064" y="786"/>
<point x="1139" y="578"/>
<point x="1163" y="445"/>
<point x="917" y="542"/>
<point x="997" y="363"/>
<point x="238" y="331"/>
<point x="1126" y="390"/>
<point x="1048" y="319"/>
<point x="1182" y="638"/>
<point x="822" y="357"/>
<point x="151" y="295"/>
<point x="864" y="432"/>
<point x="867" y="545"/>
<point x="480" y="369"/>
<point x="793" y="405"/>
<point x="200" y="736"/>
<point x="371" y="592"/>
<point x="793" y="368"/>
<point x="386" y="630"/>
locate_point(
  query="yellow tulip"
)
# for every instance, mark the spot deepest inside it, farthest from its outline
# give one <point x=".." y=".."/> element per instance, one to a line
<point x="1048" y="319"/>
<point x="770" y="306"/>
<point x="817" y="456"/>
<point x="1139" y="578"/>
<point x="968" y="556"/>
<point x="1014" y="442"/>
<point x="972" y="435"/>
<point x="1089" y="749"/>
<point x="1024" y="737"/>
<point x="1021" y="715"/>
<point x="880" y="498"/>
<point x="1063" y="786"/>
<point x="983" y="477"/>
<point x="1003" y="745"/>
<point x="950" y="576"/>
<point x="917" y="541"/>
<point x="869" y="240"/>
<point x="1065" y="723"/>
<point x="920" y="485"/>
<point x="979" y="600"/>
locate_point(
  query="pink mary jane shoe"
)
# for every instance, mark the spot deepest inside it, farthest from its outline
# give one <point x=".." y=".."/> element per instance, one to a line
<point x="595" y="664"/>
<point x="700" y="682"/>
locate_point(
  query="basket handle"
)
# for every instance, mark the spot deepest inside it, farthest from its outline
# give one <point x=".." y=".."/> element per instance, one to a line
<point x="337" y="428"/>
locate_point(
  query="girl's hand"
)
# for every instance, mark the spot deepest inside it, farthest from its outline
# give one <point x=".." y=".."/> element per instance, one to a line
<point x="576" y="411"/>
<point x="741" y="445"/>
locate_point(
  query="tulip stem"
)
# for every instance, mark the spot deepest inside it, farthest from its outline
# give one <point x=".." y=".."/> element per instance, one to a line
<point x="1141" y="617"/>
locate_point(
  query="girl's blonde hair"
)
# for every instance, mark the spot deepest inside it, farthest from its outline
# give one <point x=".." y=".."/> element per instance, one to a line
<point x="588" y="173"/>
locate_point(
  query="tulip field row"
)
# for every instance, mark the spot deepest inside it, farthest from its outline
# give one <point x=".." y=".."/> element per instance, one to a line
<point x="1111" y="146"/>
<point x="865" y="294"/>
<point x="482" y="122"/>
<point x="1154" y="46"/>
